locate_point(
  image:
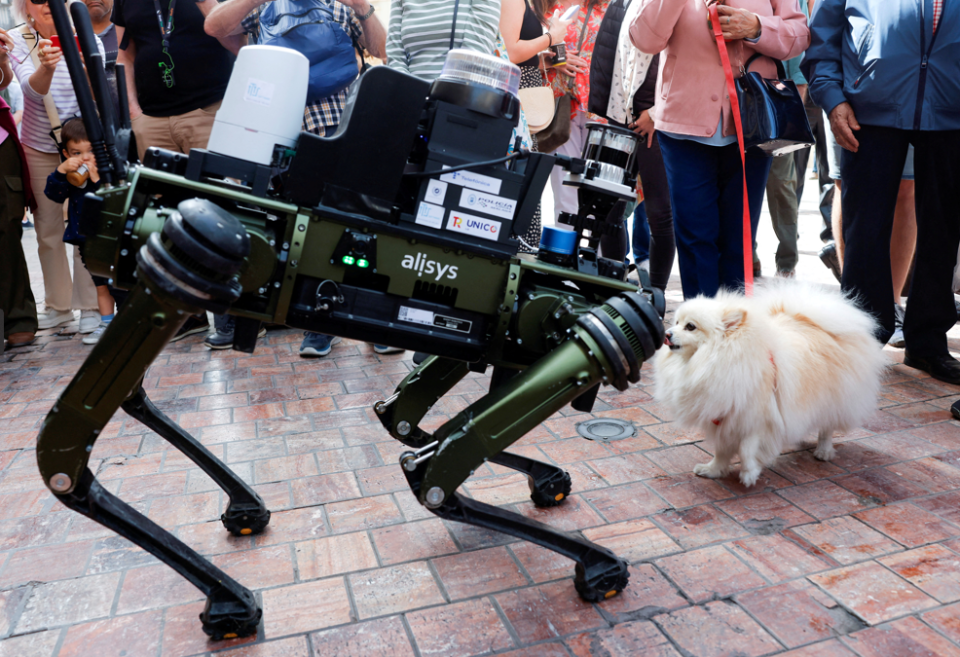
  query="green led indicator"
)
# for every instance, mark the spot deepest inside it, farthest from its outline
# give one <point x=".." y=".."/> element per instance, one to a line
<point x="348" y="260"/>
<point x="362" y="264"/>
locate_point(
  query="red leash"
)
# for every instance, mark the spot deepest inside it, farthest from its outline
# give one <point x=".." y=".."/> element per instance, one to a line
<point x="735" y="105"/>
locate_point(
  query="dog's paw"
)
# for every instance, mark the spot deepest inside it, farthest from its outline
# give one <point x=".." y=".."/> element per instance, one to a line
<point x="824" y="453"/>
<point x="749" y="477"/>
<point x="709" y="470"/>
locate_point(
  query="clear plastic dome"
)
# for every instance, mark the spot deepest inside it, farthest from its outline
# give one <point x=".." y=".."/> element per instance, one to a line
<point x="470" y="66"/>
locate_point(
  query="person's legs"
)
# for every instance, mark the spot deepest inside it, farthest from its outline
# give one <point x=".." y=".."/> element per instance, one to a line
<point x="903" y="240"/>
<point x="731" y="209"/>
<point x="782" y="201"/>
<point x="656" y="191"/>
<point x="84" y="291"/>
<point x="16" y="298"/>
<point x="153" y="131"/>
<point x="48" y="219"/>
<point x="192" y="130"/>
<point x="836" y="220"/>
<point x="801" y="158"/>
<point x="641" y="235"/>
<point x="931" y="311"/>
<point x="871" y="181"/>
<point x="693" y="170"/>
<point x="616" y="246"/>
<point x="565" y="197"/>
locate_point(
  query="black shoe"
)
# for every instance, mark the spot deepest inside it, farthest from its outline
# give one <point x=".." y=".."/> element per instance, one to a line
<point x="192" y="326"/>
<point x="944" y="368"/>
<point x="828" y="254"/>
<point x="223" y="339"/>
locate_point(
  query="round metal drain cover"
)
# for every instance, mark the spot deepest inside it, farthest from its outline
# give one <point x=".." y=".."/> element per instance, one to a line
<point x="606" y="429"/>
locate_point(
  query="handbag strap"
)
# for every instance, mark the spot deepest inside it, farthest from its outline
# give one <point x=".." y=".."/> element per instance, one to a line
<point x="780" y="70"/>
<point x="583" y="35"/>
<point x="583" y="28"/>
<point x="52" y="114"/>
<point x="735" y="107"/>
<point x="453" y="29"/>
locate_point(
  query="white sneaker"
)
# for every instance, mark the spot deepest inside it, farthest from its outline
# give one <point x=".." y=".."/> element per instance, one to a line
<point x="89" y="321"/>
<point x="50" y="318"/>
<point x="94" y="337"/>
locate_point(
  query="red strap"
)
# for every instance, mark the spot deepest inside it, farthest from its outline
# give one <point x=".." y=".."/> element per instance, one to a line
<point x="735" y="105"/>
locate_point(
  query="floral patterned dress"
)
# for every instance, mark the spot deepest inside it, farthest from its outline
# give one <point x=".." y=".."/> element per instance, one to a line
<point x="581" y="85"/>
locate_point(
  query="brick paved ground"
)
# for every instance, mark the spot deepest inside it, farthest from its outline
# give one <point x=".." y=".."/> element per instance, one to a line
<point x="860" y="556"/>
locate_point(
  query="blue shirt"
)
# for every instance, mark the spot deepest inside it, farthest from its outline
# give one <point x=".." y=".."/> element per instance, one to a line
<point x="59" y="190"/>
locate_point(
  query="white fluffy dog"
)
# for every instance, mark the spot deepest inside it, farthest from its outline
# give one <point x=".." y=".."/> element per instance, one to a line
<point x="759" y="374"/>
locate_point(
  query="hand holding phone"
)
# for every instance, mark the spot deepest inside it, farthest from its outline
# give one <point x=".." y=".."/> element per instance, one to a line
<point x="56" y="41"/>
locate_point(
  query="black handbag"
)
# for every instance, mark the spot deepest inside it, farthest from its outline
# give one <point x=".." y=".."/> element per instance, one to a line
<point x="773" y="116"/>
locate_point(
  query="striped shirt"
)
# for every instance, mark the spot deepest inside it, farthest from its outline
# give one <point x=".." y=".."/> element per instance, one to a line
<point x="35" y="128"/>
<point x="937" y="10"/>
<point x="419" y="35"/>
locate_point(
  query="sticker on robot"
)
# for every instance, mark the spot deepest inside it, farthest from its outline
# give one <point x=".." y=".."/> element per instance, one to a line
<point x="258" y="92"/>
<point x="487" y="229"/>
<point x="452" y="323"/>
<point x="436" y="191"/>
<point x="473" y="181"/>
<point x="416" y="316"/>
<point x="430" y="215"/>
<point x="498" y="206"/>
<point x="429" y="318"/>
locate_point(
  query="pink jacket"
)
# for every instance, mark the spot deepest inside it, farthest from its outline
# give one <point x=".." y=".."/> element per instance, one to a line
<point x="691" y="88"/>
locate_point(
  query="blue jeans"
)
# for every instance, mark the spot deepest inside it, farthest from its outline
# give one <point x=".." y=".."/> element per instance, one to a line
<point x="641" y="235"/>
<point x="707" y="197"/>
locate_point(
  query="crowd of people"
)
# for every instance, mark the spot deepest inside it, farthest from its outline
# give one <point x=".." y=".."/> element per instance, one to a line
<point x="879" y="79"/>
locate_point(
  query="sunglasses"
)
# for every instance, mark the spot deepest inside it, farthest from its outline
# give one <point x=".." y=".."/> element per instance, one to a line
<point x="38" y="2"/>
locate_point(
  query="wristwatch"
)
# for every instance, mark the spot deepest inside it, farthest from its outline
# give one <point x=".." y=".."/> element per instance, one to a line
<point x="368" y="14"/>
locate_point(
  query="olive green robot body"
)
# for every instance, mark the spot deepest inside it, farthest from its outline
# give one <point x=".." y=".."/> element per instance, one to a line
<point x="341" y="265"/>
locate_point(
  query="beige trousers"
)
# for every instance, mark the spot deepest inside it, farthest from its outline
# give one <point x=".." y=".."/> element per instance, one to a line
<point x="60" y="291"/>
<point x="175" y="133"/>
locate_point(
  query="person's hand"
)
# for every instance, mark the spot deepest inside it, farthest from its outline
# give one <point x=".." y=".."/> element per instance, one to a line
<point x="70" y="164"/>
<point x="738" y="23"/>
<point x="6" y="45"/>
<point x="643" y="126"/>
<point x="843" y="123"/>
<point x="49" y="56"/>
<point x="575" y="64"/>
<point x="558" y="29"/>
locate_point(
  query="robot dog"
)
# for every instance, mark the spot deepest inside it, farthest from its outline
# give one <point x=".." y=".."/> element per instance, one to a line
<point x="401" y="229"/>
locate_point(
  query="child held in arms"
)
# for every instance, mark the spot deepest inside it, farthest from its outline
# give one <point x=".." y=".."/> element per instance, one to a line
<point x="72" y="180"/>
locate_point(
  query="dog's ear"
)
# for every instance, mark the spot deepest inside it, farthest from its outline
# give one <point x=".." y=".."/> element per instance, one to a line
<point x="733" y="319"/>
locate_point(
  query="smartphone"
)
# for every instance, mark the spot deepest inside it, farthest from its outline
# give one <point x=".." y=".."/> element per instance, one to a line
<point x="570" y="13"/>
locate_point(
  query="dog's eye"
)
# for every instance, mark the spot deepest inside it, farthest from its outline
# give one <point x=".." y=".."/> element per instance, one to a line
<point x="689" y="327"/>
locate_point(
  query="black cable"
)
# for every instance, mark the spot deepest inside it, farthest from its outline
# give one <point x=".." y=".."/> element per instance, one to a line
<point x="471" y="165"/>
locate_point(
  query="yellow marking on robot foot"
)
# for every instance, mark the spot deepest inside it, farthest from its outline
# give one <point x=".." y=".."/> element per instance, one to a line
<point x="246" y="530"/>
<point x="558" y="497"/>
<point x="610" y="594"/>
<point x="231" y="635"/>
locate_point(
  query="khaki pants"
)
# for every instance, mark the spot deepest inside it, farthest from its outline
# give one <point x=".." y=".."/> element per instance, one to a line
<point x="60" y="291"/>
<point x="782" y="202"/>
<point x="175" y="133"/>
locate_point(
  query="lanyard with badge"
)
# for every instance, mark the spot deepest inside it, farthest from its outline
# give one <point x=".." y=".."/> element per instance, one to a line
<point x="165" y="32"/>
